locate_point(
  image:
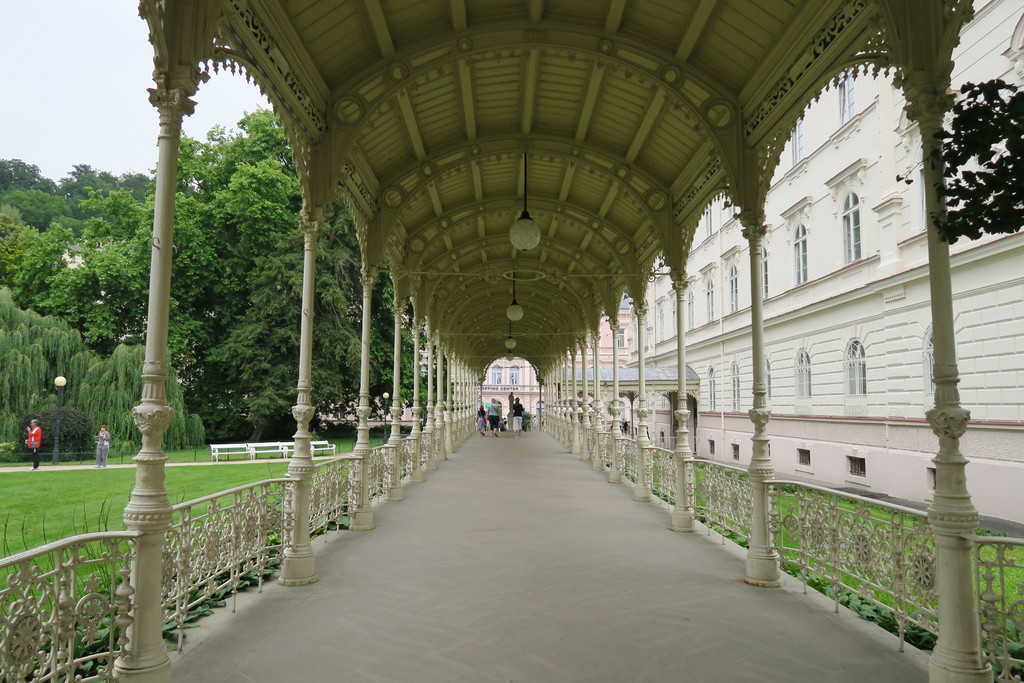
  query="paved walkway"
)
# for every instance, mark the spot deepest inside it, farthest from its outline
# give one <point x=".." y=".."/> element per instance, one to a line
<point x="516" y="563"/>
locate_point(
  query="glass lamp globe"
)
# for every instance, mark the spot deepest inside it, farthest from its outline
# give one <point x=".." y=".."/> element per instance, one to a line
<point x="525" y="234"/>
<point x="509" y="356"/>
<point x="514" y="312"/>
<point x="510" y="343"/>
<point x="60" y="381"/>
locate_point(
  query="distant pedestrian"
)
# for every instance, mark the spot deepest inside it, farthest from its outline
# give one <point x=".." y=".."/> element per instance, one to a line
<point x="481" y="419"/>
<point x="494" y="418"/>
<point x="102" y="446"/>
<point x="517" y="418"/>
<point x="34" y="441"/>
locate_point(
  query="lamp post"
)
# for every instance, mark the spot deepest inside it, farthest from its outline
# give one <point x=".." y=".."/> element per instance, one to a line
<point x="58" y="382"/>
<point x="385" y="396"/>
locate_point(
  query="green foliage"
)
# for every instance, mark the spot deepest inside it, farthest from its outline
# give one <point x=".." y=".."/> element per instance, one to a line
<point x="12" y="248"/>
<point x="984" y="162"/>
<point x="38" y="208"/>
<point x="15" y="174"/>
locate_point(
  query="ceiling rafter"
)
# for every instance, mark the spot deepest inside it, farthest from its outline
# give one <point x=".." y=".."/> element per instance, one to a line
<point x="589" y="100"/>
<point x="528" y="101"/>
<point x="411" y="126"/>
<point x="613" y="19"/>
<point x="465" y="71"/>
<point x="379" y="26"/>
<point x="478" y="181"/>
<point x="458" y="10"/>
<point x="694" y="28"/>
<point x="567" y="178"/>
<point x="651" y="113"/>
<point x="535" y="11"/>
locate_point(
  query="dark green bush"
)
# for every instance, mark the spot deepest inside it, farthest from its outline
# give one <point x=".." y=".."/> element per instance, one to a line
<point x="76" y="432"/>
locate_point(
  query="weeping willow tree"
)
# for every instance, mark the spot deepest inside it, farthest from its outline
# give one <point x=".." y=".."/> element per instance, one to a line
<point x="35" y="349"/>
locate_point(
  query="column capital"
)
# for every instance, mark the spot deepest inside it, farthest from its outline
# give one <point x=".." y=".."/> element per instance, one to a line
<point x="368" y="276"/>
<point x="753" y="231"/>
<point x="311" y="229"/>
<point x="173" y="104"/>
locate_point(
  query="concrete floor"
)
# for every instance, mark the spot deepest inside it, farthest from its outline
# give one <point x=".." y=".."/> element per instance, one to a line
<point x="515" y="562"/>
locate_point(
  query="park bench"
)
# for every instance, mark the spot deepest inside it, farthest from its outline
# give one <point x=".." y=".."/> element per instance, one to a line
<point x="273" y="447"/>
<point x="315" y="447"/>
<point x="227" y="449"/>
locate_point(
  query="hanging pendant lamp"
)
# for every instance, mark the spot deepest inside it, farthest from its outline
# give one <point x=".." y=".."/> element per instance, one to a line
<point x="524" y="234"/>
<point x="510" y="341"/>
<point x="514" y="311"/>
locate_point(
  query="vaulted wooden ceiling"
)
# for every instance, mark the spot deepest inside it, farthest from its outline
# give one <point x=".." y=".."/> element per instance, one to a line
<point x="632" y="115"/>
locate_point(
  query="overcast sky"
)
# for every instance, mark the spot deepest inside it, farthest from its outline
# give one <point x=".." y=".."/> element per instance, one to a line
<point x="74" y="74"/>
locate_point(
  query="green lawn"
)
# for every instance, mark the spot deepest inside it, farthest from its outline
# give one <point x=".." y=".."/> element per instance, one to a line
<point x="40" y="507"/>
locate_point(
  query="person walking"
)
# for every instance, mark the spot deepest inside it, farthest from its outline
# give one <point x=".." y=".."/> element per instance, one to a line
<point x="517" y="418"/>
<point x="34" y="441"/>
<point x="494" y="418"/>
<point x="102" y="446"/>
<point x="481" y="419"/>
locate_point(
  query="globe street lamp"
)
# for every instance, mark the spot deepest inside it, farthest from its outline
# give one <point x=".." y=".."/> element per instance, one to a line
<point x="58" y="382"/>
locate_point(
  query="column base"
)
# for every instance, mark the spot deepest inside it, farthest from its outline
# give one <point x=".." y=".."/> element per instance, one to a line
<point x="417" y="477"/>
<point x="598" y="464"/>
<point x="762" y="571"/>
<point x="431" y="464"/>
<point x="159" y="673"/>
<point x="942" y="670"/>
<point x="298" y="567"/>
<point x="641" y="494"/>
<point x="682" y="521"/>
<point x="396" y="494"/>
<point x="614" y="477"/>
<point x="362" y="521"/>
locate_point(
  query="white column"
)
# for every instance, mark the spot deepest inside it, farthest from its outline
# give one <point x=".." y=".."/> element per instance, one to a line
<point x="430" y="428"/>
<point x="585" y="410"/>
<point x="642" y="490"/>
<point x="441" y="428"/>
<point x="682" y="511"/>
<point x="417" y="470"/>
<point x="573" y="410"/>
<point x="598" y="422"/>
<point x="449" y="423"/>
<point x="615" y="473"/>
<point x="299" y="565"/>
<point x="362" y="511"/>
<point x="148" y="510"/>
<point x="762" y="560"/>
<point x="395" y="459"/>
<point x="957" y="655"/>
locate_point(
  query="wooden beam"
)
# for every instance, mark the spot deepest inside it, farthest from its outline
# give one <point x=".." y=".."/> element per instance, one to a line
<point x="379" y="25"/>
<point x="435" y="199"/>
<point x="468" y="102"/>
<point x="589" y="100"/>
<point x="654" y="106"/>
<point x="458" y="8"/>
<point x="478" y="181"/>
<point x="614" y="18"/>
<point x="535" y="11"/>
<point x="529" y="90"/>
<point x="609" y="198"/>
<point x="409" y="118"/>
<point x="694" y="28"/>
<point x="567" y="179"/>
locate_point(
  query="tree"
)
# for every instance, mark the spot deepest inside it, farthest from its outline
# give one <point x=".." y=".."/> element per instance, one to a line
<point x="983" y="153"/>
<point x="15" y="174"/>
<point x="38" y="208"/>
<point x="12" y="248"/>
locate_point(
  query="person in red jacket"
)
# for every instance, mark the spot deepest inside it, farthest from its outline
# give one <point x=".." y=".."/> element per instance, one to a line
<point x="34" y="441"/>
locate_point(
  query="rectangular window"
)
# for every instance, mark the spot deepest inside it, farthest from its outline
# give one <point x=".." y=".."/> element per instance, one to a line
<point x="803" y="456"/>
<point x="513" y="375"/>
<point x="496" y="375"/>
<point x="620" y="337"/>
<point x="858" y="467"/>
<point x="735" y="451"/>
<point x="847" y="99"/>
<point x="931" y="478"/>
<point x="711" y="447"/>
<point x="798" y="142"/>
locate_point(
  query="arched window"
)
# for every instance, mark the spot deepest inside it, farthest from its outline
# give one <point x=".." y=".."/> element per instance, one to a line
<point x="735" y="386"/>
<point x="712" y="390"/>
<point x="734" y="289"/>
<point x="800" y="253"/>
<point x="708" y="227"/>
<point x="847" y="99"/>
<point x="851" y="227"/>
<point x="856" y="370"/>
<point x="709" y="291"/>
<point x="496" y="374"/>
<point x="803" y="374"/>
<point x="797" y="141"/>
<point x="513" y="375"/>
<point x="764" y="271"/>
<point x="929" y="361"/>
<point x="689" y="308"/>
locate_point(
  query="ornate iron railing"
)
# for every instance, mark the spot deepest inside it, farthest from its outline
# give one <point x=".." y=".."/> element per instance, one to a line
<point x="629" y="455"/>
<point x="604" y="449"/>
<point x="884" y="554"/>
<point x="426" y="443"/>
<point x="331" y="493"/>
<point x="664" y="475"/>
<point x="999" y="570"/>
<point x="215" y="540"/>
<point x="65" y="608"/>
<point x="377" y="473"/>
<point x="722" y="498"/>
<point x="408" y="454"/>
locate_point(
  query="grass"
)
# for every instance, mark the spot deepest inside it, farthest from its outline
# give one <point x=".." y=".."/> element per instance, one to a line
<point x="41" y="507"/>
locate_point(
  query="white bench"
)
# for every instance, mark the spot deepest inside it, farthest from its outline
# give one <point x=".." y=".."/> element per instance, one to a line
<point x="228" y="449"/>
<point x="275" y="448"/>
<point x="315" y="447"/>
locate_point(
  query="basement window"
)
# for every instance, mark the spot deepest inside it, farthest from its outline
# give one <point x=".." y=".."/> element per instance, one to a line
<point x="803" y="456"/>
<point x="858" y="466"/>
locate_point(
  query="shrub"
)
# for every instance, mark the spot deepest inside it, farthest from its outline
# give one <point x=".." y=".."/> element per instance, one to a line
<point x="76" y="435"/>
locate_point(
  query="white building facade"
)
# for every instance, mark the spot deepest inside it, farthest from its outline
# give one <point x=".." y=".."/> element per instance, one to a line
<point x="846" y="304"/>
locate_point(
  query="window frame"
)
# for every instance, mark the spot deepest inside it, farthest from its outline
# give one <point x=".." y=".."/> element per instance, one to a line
<point x="802" y="374"/>
<point x="709" y="293"/>
<point x="851" y="225"/>
<point x="797" y="140"/>
<point x="800" y="253"/>
<point x="847" y="98"/>
<point x="855" y="373"/>
<point x="735" y="386"/>
<point x="734" y="288"/>
<point x="712" y="390"/>
<point x="497" y="374"/>
<point x="513" y="375"/>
